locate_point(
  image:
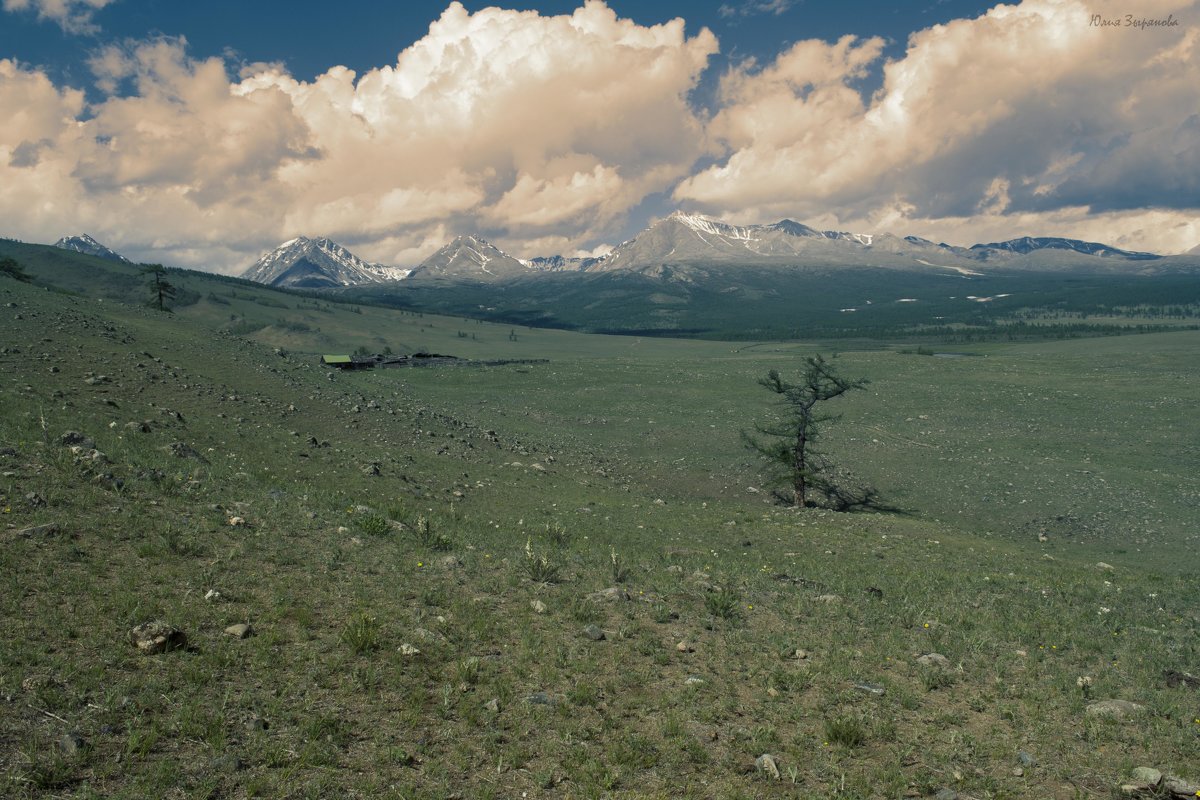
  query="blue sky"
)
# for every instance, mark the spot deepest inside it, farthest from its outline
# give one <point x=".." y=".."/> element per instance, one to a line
<point x="201" y="134"/>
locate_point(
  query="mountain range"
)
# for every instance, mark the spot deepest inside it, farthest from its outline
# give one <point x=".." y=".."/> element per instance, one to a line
<point x="675" y="247"/>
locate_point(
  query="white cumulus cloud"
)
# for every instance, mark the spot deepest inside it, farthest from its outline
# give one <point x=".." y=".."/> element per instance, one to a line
<point x="1026" y="112"/>
<point x="505" y="122"/>
<point x="74" y="16"/>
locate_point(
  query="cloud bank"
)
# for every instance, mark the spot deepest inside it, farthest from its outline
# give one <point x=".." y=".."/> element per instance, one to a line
<point x="546" y="132"/>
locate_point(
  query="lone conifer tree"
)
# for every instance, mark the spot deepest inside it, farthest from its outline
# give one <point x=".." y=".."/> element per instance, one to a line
<point x="792" y="450"/>
<point x="160" y="290"/>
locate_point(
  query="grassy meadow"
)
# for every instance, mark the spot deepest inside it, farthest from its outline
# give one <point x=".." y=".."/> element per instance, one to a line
<point x="570" y="579"/>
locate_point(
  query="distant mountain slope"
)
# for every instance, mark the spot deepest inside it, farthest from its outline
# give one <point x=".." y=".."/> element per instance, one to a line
<point x="304" y="263"/>
<point x="681" y="242"/>
<point x="1032" y="244"/>
<point x="471" y="258"/>
<point x="85" y="244"/>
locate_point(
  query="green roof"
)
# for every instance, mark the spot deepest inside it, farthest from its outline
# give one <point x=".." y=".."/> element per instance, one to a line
<point x="336" y="359"/>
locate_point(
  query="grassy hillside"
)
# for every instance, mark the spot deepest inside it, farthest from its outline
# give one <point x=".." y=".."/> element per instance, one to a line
<point x="500" y="521"/>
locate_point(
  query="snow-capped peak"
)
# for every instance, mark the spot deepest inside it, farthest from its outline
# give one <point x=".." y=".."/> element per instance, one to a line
<point x="315" y="263"/>
<point x="83" y="243"/>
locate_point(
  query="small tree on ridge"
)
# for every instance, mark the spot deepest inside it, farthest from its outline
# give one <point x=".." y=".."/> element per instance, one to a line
<point x="160" y="290"/>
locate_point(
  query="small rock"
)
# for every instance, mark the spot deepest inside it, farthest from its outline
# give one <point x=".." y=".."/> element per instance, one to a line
<point x="684" y="647"/>
<point x="1018" y="771"/>
<point x="226" y="764"/>
<point x="801" y="654"/>
<point x="1147" y="776"/>
<point x="1118" y="709"/>
<point x="538" y="606"/>
<point x="257" y="723"/>
<point x="933" y="660"/>
<point x="1100" y="565"/>
<point x="1025" y="759"/>
<point x="540" y="699"/>
<point x="237" y="522"/>
<point x="157" y="637"/>
<point x="35" y="531"/>
<point x="1180" y="788"/>
<point x="35" y="500"/>
<point x="241" y="630"/>
<point x="212" y="595"/>
<point x="694" y="680"/>
<point x="766" y="765"/>
<point x="71" y="744"/>
<point x="492" y="705"/>
<point x="450" y="562"/>
<point x="76" y="438"/>
<point x="870" y="688"/>
<point x="611" y="595"/>
<point x="594" y="633"/>
<point x="829" y="598"/>
<point x="946" y="794"/>
<point x="407" y="649"/>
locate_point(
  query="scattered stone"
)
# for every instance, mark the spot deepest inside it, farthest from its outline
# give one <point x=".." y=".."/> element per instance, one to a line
<point x="212" y="595"/>
<point x="257" y="723"/>
<point x="237" y="522"/>
<point x="226" y="764"/>
<point x="182" y="450"/>
<point x="371" y="470"/>
<point x="594" y="633"/>
<point x="35" y="500"/>
<point x="1018" y="772"/>
<point x="766" y="765"/>
<point x="684" y="647"/>
<point x="71" y="744"/>
<point x="1148" y="776"/>
<point x="611" y="595"/>
<point x="694" y="680"/>
<point x="946" y="794"/>
<point x="538" y="606"/>
<point x="450" y="562"/>
<point x="933" y="660"/>
<point x="241" y="630"/>
<point x="157" y="637"/>
<point x="1025" y="759"/>
<point x="540" y="699"/>
<point x="407" y="649"/>
<point x="49" y="529"/>
<point x="801" y="654"/>
<point x="76" y="438"/>
<point x="1118" y="709"/>
<point x="1175" y="679"/>
<point x="829" y="598"/>
<point x="675" y="569"/>
<point x="871" y="688"/>
<point x="1100" y="565"/>
<point x="492" y="705"/>
<point x="1180" y="788"/>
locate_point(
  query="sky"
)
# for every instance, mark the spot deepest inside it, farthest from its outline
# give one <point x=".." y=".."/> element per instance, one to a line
<point x="202" y="135"/>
